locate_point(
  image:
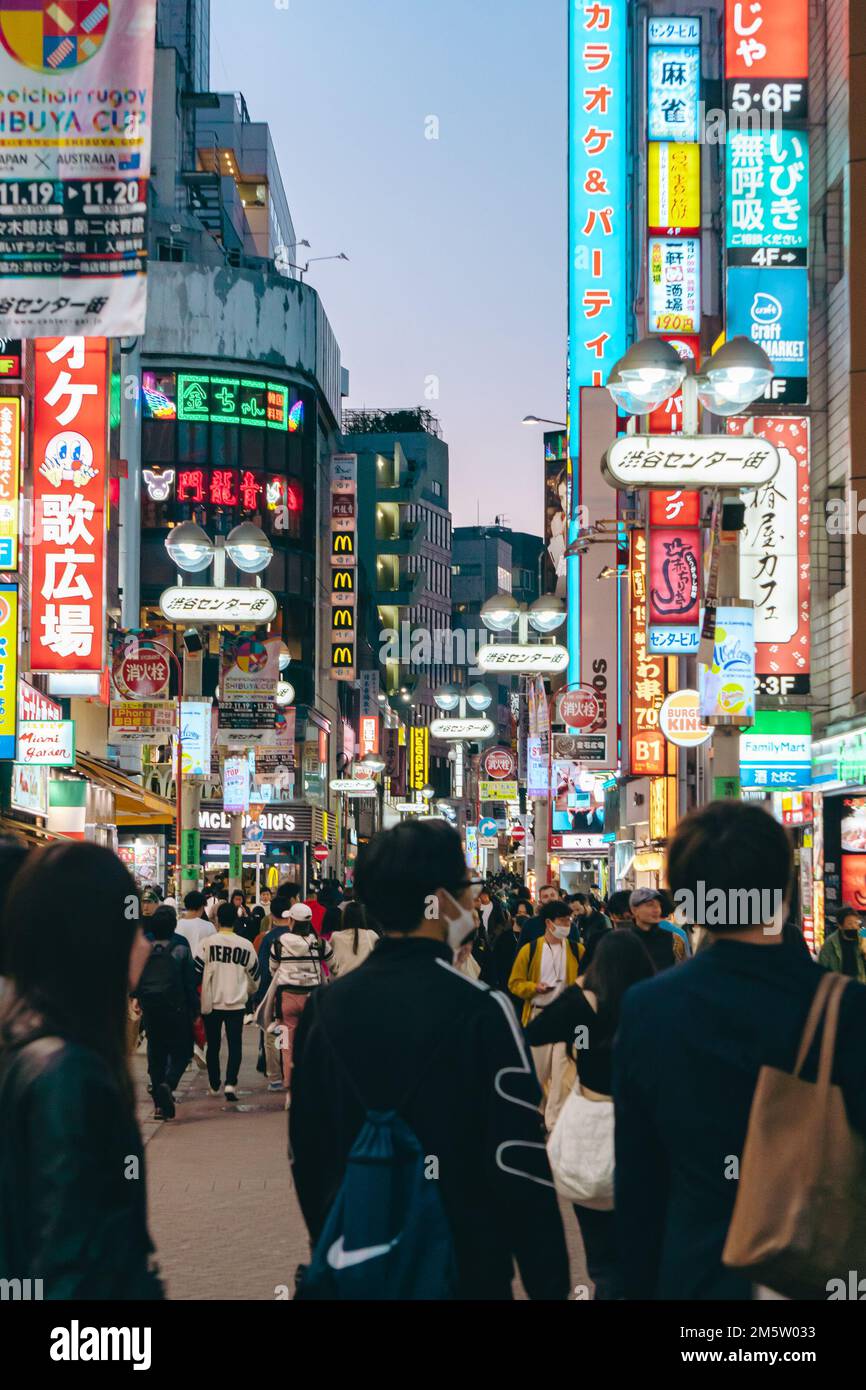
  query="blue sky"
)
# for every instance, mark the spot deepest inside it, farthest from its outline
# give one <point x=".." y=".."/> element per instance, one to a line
<point x="457" y="245"/>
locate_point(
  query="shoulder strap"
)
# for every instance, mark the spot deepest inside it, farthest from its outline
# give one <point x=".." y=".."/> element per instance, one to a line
<point x="829" y="984"/>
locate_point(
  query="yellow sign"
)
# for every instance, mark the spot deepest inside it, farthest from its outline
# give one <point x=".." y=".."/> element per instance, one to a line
<point x="10" y="460"/>
<point x="674" y="187"/>
<point x="419" y="758"/>
<point x="8" y="668"/>
<point x="658" y="821"/>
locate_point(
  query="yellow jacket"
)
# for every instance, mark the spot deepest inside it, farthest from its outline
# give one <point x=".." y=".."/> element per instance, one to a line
<point x="526" y="973"/>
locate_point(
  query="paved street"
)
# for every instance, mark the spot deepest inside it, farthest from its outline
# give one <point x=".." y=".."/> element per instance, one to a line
<point x="223" y="1213"/>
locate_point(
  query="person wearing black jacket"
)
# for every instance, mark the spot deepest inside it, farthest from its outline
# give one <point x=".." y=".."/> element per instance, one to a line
<point x="169" y="1005"/>
<point x="73" y="1190"/>
<point x="690" y="1046"/>
<point x="499" y="961"/>
<point x="406" y="1016"/>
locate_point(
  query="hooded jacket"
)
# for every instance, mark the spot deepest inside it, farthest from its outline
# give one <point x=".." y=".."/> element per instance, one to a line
<point x="296" y="961"/>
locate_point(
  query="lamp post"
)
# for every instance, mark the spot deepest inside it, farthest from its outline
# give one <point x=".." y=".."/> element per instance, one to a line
<point x="735" y="376"/>
<point x="192" y="551"/>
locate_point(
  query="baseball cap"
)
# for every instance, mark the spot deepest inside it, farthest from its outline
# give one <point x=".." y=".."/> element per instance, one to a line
<point x="644" y="895"/>
<point x="300" y="912"/>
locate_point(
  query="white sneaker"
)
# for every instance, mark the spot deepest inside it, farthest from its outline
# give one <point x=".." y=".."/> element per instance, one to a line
<point x="275" y="1085"/>
<point x="231" y="1093"/>
<point x="212" y="1092"/>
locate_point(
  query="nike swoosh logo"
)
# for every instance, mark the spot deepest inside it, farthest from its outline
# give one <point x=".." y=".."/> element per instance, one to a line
<point x="338" y="1258"/>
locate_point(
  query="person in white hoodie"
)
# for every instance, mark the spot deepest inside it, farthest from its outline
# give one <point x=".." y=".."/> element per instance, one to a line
<point x="352" y="941"/>
<point x="229" y="971"/>
<point x="296" y="964"/>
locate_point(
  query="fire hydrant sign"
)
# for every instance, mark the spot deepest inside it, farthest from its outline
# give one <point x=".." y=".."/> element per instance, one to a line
<point x="76" y="81"/>
<point x="67" y="616"/>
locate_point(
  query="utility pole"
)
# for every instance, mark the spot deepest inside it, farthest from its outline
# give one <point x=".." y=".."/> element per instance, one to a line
<point x="189" y="871"/>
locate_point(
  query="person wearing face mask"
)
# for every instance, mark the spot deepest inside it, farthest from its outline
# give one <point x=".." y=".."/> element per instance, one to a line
<point x="845" y="950"/>
<point x="409" y="1032"/>
<point x="542" y="970"/>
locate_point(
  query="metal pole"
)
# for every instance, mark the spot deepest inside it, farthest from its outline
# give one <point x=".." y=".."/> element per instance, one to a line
<point x="130" y="486"/>
<point x="236" y="855"/>
<point x="188" y="788"/>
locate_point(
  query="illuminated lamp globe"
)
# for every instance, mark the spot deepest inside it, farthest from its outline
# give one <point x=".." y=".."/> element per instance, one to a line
<point x="734" y="377"/>
<point x="649" y="373"/>
<point x="189" y="547"/>
<point x="500" y="613"/>
<point x="448" y="697"/>
<point x="248" y="548"/>
<point x="371" y="764"/>
<point x="478" y="697"/>
<point x="547" y="614"/>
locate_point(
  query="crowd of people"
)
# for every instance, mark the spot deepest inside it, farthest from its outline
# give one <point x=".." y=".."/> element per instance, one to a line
<point x="457" y="1058"/>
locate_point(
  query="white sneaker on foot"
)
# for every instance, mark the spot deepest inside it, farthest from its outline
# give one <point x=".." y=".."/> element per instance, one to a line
<point x="231" y="1093"/>
<point x="212" y="1092"/>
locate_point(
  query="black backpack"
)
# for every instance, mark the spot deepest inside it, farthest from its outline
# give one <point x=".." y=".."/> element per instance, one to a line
<point x="161" y="986"/>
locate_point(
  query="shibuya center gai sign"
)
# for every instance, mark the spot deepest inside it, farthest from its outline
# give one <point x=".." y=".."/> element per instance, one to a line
<point x="512" y="656"/>
<point x="708" y="460"/>
<point x="201" y="604"/>
<point x="462" y="728"/>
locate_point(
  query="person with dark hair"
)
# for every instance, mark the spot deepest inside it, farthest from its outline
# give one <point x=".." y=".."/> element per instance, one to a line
<point x="13" y="854"/>
<point x="543" y="968"/>
<point x="229" y="972"/>
<point x="270" y="1059"/>
<point x="69" y="1141"/>
<point x="844" y="950"/>
<point x="533" y="929"/>
<point x="244" y="924"/>
<point x="194" y="925"/>
<point x="618" y="909"/>
<point x="663" y="943"/>
<point x="410" y="1033"/>
<point x="585" y="1018"/>
<point x="297" y="967"/>
<point x="352" y="940"/>
<point x="169" y="1003"/>
<point x="691" y="1043"/>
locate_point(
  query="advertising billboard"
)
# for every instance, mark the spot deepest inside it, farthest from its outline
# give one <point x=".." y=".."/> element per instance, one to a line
<point x="673" y="188"/>
<point x="673" y="91"/>
<point x="10" y="479"/>
<point x="674" y="284"/>
<point x="767" y="57"/>
<point x="767" y="195"/>
<point x="770" y="305"/>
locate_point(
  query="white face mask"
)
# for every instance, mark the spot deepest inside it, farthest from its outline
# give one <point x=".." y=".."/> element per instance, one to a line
<point x="461" y="926"/>
<point x="560" y="932"/>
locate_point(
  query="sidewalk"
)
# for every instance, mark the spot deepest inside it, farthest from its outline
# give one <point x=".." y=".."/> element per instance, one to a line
<point x="222" y="1209"/>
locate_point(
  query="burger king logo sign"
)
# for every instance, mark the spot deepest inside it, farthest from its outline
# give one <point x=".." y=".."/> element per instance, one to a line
<point x="680" y="720"/>
<point x="499" y="763"/>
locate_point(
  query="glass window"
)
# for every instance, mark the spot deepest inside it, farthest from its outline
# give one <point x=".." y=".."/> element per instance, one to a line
<point x="224" y="445"/>
<point x="158" y="441"/>
<point x="192" y="442"/>
<point x="253" y="448"/>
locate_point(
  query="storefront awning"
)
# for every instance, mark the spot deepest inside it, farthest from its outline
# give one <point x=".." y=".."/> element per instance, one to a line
<point x="134" y="804"/>
<point x="34" y="835"/>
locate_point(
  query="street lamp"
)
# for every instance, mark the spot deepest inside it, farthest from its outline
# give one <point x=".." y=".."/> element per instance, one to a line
<point x="500" y="613"/>
<point x="448" y="698"/>
<point x="646" y="376"/>
<point x="371" y="764"/>
<point x="478" y="697"/>
<point x="428" y="791"/>
<point x="735" y="376"/>
<point x="542" y="420"/>
<point x="189" y="547"/>
<point x="547" y="614"/>
<point x="248" y="548"/>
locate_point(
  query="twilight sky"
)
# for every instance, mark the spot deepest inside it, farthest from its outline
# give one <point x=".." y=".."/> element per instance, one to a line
<point x="457" y="244"/>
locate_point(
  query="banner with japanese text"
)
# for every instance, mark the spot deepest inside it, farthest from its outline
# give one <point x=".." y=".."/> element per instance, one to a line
<point x="67" y="589"/>
<point x="674" y="562"/>
<point x="76" y="87"/>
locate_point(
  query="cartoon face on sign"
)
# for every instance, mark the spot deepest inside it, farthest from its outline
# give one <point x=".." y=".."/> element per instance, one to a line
<point x="68" y="459"/>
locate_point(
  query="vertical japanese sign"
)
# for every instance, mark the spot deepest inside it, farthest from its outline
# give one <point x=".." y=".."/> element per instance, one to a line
<point x="599" y="599"/>
<point x="419" y="757"/>
<point x="8" y="668"/>
<point x="767" y="56"/>
<point x="774" y="555"/>
<point x="236" y="785"/>
<point x="343" y="530"/>
<point x="673" y="188"/>
<point x="674" y="82"/>
<point x="668" y="418"/>
<point x="598" y="219"/>
<point x="673" y="580"/>
<point x="768" y="197"/>
<point x="76" y="79"/>
<point x="674" y="285"/>
<point x="67" y="613"/>
<point x="556" y="509"/>
<point x="10" y="472"/>
<point x="646" y="674"/>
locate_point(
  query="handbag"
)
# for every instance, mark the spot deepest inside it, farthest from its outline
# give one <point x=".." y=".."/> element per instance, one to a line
<point x="800" y="1215"/>
<point x="580" y="1151"/>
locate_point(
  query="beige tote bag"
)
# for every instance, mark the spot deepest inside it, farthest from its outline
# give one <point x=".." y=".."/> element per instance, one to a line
<point x="800" y="1216"/>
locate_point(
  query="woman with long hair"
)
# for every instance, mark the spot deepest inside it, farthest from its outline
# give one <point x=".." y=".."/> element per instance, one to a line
<point x="352" y="939"/>
<point x="586" y="1017"/>
<point x="73" y="1197"/>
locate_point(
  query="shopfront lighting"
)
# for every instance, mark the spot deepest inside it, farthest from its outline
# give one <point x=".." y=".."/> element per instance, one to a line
<point x="547" y="614"/>
<point x="189" y="547"/>
<point x="735" y="376"/>
<point x="478" y="697"/>
<point x="448" y="697"/>
<point x="649" y="373"/>
<point x="285" y="693"/>
<point x="500" y="613"/>
<point x="248" y="548"/>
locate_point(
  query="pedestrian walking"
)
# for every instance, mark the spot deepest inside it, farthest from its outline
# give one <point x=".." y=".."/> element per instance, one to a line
<point x="229" y="972"/>
<point x="352" y="941"/>
<point x="244" y="924"/>
<point x="499" y="960"/>
<point x="193" y="925"/>
<point x="169" y="1002"/>
<point x="410" y="1052"/>
<point x="585" y="1019"/>
<point x="542" y="970"/>
<point x="690" y="1046"/>
<point x="844" y="950"/>
<point x="664" y="946"/>
<point x="70" y="1215"/>
<point x="297" y="961"/>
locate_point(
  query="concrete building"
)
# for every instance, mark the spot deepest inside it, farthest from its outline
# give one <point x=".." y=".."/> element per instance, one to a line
<point x="404" y="538"/>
